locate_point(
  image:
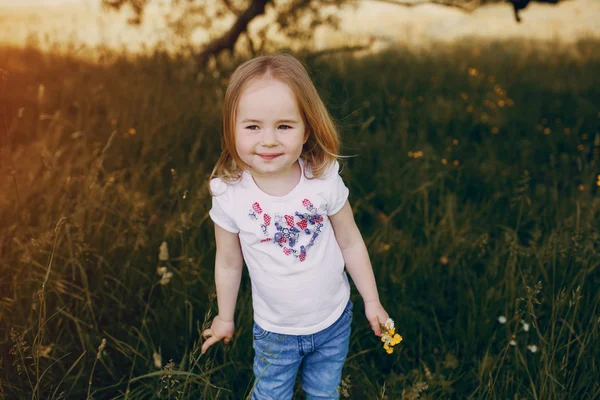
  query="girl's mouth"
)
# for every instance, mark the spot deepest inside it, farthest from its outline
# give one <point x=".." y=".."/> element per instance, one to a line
<point x="268" y="156"/>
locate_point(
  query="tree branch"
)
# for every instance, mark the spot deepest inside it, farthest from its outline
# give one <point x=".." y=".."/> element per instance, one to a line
<point x="228" y="40"/>
<point x="461" y="4"/>
<point x="466" y="5"/>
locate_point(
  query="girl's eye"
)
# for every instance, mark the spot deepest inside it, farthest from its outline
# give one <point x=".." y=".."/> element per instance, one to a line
<point x="256" y="127"/>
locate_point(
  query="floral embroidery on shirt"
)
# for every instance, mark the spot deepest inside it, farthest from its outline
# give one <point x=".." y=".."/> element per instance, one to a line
<point x="289" y="228"/>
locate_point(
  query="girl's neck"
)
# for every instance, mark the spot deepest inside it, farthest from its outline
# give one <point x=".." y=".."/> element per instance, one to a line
<point x="281" y="184"/>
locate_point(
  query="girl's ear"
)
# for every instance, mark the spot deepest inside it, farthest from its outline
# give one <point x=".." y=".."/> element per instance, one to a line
<point x="306" y="135"/>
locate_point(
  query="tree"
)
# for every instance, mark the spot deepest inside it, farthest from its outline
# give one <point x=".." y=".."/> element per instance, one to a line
<point x="470" y="5"/>
<point x="295" y="19"/>
<point x="521" y="4"/>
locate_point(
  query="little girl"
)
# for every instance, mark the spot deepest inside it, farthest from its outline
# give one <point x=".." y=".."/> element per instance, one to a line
<point x="280" y="205"/>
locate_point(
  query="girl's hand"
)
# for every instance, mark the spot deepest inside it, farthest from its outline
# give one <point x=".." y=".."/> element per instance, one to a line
<point x="376" y="315"/>
<point x="219" y="329"/>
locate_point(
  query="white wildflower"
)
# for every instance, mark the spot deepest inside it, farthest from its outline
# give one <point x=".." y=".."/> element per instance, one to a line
<point x="163" y="254"/>
<point x="389" y="324"/>
<point x="166" y="278"/>
<point x="513" y="342"/>
<point x="532" y="348"/>
<point x="161" y="271"/>
<point x="525" y="326"/>
<point x="502" y="319"/>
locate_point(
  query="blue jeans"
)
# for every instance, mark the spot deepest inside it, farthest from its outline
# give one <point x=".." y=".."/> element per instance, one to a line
<point x="320" y="358"/>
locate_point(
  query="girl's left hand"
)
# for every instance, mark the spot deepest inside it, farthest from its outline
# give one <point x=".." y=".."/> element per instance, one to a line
<point x="376" y="315"/>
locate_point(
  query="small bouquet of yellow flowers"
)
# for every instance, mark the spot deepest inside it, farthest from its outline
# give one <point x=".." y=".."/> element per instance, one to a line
<point x="389" y="337"/>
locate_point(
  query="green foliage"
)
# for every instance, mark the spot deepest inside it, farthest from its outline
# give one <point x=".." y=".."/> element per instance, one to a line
<point x="474" y="185"/>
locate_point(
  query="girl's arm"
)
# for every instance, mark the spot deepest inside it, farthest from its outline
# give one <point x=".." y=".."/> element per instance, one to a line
<point x="228" y="274"/>
<point x="358" y="264"/>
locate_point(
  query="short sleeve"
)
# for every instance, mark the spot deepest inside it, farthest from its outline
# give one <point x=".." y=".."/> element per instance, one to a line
<point x="221" y="205"/>
<point x="338" y="192"/>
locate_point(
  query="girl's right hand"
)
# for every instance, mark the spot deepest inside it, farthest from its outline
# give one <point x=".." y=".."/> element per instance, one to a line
<point x="219" y="329"/>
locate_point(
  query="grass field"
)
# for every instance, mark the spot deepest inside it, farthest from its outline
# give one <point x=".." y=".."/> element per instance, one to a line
<point x="475" y="180"/>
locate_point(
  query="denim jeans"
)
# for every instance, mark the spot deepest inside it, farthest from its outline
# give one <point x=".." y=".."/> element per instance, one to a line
<point x="319" y="357"/>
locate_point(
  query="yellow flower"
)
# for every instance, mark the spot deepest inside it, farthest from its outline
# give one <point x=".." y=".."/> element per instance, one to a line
<point x="389" y="336"/>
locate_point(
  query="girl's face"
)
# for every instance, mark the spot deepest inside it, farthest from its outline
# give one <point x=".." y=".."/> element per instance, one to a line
<point x="269" y="130"/>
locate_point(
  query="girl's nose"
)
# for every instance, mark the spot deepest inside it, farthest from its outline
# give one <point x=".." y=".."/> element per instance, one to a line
<point x="269" y="137"/>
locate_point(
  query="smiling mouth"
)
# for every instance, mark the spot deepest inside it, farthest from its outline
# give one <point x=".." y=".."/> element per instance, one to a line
<point x="268" y="156"/>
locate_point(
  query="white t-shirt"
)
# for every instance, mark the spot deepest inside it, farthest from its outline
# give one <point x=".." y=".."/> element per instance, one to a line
<point x="299" y="286"/>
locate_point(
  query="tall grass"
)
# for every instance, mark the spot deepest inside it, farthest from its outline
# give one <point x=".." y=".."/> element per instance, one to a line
<point x="474" y="182"/>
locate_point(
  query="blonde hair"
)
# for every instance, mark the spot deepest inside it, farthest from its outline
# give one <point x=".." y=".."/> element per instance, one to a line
<point x="321" y="148"/>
